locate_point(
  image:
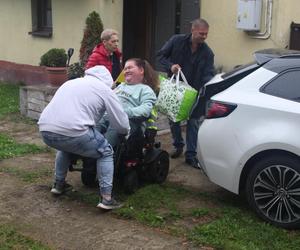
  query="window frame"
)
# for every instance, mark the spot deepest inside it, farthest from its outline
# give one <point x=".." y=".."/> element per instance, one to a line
<point x="41" y="14"/>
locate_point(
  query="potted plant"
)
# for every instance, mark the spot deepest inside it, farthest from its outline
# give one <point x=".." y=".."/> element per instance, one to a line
<point x="55" y="62"/>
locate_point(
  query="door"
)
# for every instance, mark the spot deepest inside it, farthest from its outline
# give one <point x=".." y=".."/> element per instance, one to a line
<point x="148" y="24"/>
<point x="137" y="28"/>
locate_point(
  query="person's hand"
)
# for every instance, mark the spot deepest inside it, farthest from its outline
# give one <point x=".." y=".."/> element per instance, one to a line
<point x="124" y="137"/>
<point x="175" y="68"/>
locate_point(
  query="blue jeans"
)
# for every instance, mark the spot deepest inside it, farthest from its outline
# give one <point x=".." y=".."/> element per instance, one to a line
<point x="92" y="144"/>
<point x="192" y="128"/>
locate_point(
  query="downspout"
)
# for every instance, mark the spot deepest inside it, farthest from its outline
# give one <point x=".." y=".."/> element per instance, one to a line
<point x="268" y="21"/>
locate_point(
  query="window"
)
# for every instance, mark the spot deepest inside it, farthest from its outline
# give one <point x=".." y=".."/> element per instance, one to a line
<point x="41" y="12"/>
<point x="286" y="85"/>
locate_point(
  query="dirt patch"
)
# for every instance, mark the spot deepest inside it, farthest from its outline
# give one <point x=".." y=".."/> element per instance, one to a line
<point x="21" y="132"/>
<point x="63" y="223"/>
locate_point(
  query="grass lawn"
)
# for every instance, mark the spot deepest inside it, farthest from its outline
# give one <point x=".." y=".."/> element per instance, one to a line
<point x="11" y="239"/>
<point x="219" y="222"/>
<point x="9" y="106"/>
<point x="9" y="148"/>
<point x="9" y="99"/>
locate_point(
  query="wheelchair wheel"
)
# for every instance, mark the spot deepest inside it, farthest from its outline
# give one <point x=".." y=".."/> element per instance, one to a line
<point x="89" y="179"/>
<point x="130" y="182"/>
<point x="89" y="172"/>
<point x="159" y="168"/>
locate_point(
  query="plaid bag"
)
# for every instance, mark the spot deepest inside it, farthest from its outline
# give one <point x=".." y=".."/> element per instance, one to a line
<point x="176" y="98"/>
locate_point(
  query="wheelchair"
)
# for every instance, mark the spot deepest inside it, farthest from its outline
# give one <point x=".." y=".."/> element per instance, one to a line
<point x="137" y="160"/>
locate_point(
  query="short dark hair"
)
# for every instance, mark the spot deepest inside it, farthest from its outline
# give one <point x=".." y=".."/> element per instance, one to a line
<point x="200" y="22"/>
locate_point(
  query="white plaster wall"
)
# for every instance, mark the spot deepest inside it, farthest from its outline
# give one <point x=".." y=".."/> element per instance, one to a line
<point x="68" y="17"/>
<point x="233" y="46"/>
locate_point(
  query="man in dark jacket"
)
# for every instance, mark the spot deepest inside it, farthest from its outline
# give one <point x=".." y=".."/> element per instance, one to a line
<point x="196" y="60"/>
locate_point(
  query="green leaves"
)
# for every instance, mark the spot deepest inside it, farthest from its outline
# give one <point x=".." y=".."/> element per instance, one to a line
<point x="54" y="58"/>
<point x="9" y="99"/>
<point x="10" y="148"/>
<point x="91" y="36"/>
<point x="11" y="239"/>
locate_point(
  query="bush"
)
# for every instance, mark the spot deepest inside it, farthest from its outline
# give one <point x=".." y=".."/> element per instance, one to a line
<point x="54" y="58"/>
<point x="75" y="70"/>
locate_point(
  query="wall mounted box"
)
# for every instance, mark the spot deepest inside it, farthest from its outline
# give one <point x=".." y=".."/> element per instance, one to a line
<point x="249" y="15"/>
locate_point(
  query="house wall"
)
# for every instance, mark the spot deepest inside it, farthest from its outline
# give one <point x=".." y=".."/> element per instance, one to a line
<point x="233" y="46"/>
<point x="68" y="17"/>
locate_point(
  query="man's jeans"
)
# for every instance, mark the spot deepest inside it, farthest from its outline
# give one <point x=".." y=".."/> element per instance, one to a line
<point x="92" y="144"/>
<point x="192" y="128"/>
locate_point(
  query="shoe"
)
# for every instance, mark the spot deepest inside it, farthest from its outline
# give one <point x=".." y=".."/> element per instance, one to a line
<point x="193" y="162"/>
<point x="109" y="204"/>
<point x="60" y="188"/>
<point x="176" y="153"/>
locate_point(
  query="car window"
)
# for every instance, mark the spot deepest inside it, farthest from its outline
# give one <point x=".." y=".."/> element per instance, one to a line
<point x="286" y="85"/>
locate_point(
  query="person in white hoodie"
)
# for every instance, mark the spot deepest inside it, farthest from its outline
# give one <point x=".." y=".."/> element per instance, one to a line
<point x="68" y="125"/>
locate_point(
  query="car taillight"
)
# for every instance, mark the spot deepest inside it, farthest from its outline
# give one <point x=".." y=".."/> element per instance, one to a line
<point x="218" y="109"/>
<point x="131" y="163"/>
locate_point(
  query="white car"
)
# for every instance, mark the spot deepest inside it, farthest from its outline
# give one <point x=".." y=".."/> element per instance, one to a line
<point x="249" y="141"/>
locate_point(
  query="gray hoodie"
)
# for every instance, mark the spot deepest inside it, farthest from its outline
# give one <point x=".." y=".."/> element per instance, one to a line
<point x="78" y="104"/>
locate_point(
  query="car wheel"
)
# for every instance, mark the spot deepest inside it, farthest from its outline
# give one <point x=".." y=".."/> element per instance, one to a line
<point x="273" y="190"/>
<point x="130" y="182"/>
<point x="159" y="168"/>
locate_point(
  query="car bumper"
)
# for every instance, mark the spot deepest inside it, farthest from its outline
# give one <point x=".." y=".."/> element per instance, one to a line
<point x="219" y="155"/>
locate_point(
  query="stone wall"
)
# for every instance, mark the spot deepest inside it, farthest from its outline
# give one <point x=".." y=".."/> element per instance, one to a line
<point x="33" y="99"/>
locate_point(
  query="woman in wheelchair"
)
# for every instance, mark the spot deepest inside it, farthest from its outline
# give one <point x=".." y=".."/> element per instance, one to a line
<point x="137" y="96"/>
<point x="132" y="163"/>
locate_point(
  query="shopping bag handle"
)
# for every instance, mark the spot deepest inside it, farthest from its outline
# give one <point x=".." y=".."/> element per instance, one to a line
<point x="180" y="73"/>
<point x="177" y="79"/>
<point x="172" y="78"/>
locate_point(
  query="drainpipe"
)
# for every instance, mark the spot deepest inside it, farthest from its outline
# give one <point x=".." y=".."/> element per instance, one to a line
<point x="268" y="21"/>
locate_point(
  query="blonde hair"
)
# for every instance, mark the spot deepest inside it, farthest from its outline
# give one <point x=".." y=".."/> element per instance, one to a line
<point x="107" y="34"/>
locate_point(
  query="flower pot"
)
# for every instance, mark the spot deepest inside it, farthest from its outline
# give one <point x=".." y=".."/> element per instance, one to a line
<point x="57" y="75"/>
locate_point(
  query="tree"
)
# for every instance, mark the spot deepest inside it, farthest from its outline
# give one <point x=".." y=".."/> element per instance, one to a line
<point x="91" y="36"/>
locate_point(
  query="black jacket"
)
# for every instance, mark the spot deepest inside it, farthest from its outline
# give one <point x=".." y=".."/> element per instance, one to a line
<point x="198" y="68"/>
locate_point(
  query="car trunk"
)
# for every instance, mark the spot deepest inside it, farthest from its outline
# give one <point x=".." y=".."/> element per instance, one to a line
<point x="223" y="81"/>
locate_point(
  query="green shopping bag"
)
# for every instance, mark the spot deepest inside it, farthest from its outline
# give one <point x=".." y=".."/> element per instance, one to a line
<point x="176" y="98"/>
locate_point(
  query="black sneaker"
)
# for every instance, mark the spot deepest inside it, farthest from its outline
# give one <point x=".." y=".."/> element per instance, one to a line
<point x="193" y="162"/>
<point x="109" y="204"/>
<point x="176" y="153"/>
<point x="60" y="188"/>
